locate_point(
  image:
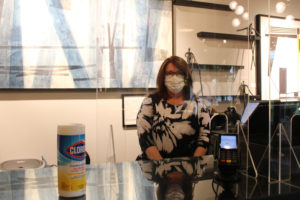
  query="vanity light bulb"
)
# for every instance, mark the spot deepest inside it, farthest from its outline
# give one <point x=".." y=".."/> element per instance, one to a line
<point x="239" y="10"/>
<point x="246" y="16"/>
<point x="280" y="7"/>
<point x="233" y="5"/>
<point x="236" y="22"/>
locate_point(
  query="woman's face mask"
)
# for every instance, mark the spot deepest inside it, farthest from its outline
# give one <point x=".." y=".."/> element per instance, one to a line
<point x="174" y="83"/>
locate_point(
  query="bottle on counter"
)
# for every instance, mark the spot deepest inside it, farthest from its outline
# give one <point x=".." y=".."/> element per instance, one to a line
<point x="71" y="160"/>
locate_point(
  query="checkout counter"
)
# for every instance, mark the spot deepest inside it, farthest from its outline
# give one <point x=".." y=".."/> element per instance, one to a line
<point x="177" y="178"/>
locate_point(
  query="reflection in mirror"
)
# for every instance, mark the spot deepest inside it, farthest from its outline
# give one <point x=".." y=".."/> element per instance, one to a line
<point x="176" y="177"/>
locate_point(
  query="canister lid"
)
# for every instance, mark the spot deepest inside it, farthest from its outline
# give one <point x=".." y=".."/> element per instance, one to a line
<point x="22" y="164"/>
<point x="71" y="129"/>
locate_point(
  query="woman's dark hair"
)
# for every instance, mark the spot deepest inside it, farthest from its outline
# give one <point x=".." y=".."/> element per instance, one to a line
<point x="182" y="65"/>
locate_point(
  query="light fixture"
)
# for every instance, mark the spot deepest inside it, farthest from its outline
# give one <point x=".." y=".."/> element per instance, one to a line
<point x="246" y="16"/>
<point x="239" y="10"/>
<point x="236" y="22"/>
<point x="233" y="5"/>
<point x="280" y="7"/>
<point x="290" y="18"/>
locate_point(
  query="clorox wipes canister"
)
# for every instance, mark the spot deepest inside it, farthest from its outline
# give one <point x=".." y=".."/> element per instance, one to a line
<point x="71" y="160"/>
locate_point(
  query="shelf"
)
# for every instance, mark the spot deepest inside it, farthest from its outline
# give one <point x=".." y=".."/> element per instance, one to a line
<point x="216" y="67"/>
<point x="222" y="36"/>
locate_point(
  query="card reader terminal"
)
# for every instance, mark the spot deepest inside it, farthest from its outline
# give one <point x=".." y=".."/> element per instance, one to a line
<point x="229" y="154"/>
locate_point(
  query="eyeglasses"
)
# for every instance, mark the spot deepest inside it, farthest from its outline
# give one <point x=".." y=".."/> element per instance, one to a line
<point x="174" y="73"/>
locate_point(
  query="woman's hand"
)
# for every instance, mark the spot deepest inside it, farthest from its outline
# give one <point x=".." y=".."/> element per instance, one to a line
<point x="200" y="151"/>
<point x="153" y="153"/>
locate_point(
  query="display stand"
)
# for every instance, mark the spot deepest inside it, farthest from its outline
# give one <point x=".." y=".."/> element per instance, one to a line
<point x="113" y="143"/>
<point x="239" y="127"/>
<point x="283" y="169"/>
<point x="111" y="172"/>
<point x="291" y="136"/>
<point x="277" y="177"/>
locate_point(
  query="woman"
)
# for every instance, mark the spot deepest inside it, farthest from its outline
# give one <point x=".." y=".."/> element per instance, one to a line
<point x="171" y="121"/>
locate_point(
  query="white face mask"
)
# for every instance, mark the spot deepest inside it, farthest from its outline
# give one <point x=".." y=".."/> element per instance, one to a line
<point x="174" y="83"/>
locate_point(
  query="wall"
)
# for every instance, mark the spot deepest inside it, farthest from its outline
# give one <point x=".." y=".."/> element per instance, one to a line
<point x="29" y="124"/>
<point x="28" y="120"/>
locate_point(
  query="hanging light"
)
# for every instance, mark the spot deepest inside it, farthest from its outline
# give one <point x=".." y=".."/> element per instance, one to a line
<point x="233" y="5"/>
<point x="236" y="22"/>
<point x="280" y="7"/>
<point x="290" y="18"/>
<point x="246" y="16"/>
<point x="239" y="10"/>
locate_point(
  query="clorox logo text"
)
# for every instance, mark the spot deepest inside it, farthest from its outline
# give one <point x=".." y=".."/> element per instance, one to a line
<point x="76" y="150"/>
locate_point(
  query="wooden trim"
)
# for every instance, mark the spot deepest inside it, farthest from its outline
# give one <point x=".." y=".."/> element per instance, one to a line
<point x="213" y="6"/>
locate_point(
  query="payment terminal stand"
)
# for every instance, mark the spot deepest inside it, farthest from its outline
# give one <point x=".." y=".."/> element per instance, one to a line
<point x="228" y="164"/>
